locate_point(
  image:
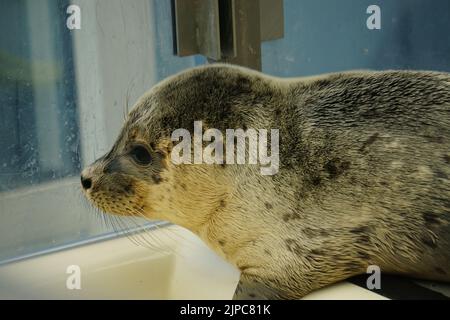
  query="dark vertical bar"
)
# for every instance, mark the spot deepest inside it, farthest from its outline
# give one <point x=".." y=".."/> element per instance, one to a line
<point x="248" y="34"/>
<point x="227" y="29"/>
<point x="174" y="27"/>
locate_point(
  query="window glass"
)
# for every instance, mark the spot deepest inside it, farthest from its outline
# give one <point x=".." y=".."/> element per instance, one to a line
<point x="39" y="127"/>
<point x="63" y="97"/>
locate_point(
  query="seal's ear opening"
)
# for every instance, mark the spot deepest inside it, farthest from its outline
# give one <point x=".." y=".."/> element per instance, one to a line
<point x="163" y="147"/>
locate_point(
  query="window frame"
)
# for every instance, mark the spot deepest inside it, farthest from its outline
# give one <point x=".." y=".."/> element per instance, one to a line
<point x="102" y="94"/>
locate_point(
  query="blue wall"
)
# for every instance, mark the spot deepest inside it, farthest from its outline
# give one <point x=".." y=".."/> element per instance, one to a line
<point x="331" y="35"/>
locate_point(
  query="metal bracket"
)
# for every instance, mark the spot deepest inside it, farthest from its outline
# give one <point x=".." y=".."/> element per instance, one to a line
<point x="227" y="30"/>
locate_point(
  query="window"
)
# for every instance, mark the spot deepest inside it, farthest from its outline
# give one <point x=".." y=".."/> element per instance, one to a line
<point x="63" y="97"/>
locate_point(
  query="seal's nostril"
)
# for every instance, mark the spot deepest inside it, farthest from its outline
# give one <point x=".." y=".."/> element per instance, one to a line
<point x="86" y="182"/>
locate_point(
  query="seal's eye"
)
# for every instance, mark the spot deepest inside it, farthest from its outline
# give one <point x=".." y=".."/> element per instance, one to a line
<point x="141" y="155"/>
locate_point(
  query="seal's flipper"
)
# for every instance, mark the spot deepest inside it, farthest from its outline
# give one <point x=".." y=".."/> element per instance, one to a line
<point x="253" y="288"/>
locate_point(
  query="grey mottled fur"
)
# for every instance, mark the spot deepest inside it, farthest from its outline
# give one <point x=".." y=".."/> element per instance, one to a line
<point x="364" y="174"/>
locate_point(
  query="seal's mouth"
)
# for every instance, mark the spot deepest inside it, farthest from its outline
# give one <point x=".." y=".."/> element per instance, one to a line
<point x="113" y="203"/>
<point x="113" y="193"/>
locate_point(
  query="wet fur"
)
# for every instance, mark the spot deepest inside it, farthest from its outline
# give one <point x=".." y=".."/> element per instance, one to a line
<point x="364" y="174"/>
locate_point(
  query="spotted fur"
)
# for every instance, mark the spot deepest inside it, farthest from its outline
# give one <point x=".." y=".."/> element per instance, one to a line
<point x="364" y="175"/>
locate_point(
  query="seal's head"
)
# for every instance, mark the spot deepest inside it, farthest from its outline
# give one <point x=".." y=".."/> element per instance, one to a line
<point x="138" y="178"/>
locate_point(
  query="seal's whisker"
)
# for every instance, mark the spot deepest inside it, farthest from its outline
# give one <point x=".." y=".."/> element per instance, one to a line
<point x="176" y="236"/>
<point x="148" y="243"/>
<point x="146" y="233"/>
<point x="125" y="230"/>
<point x="102" y="216"/>
<point x="122" y="228"/>
<point x="127" y="98"/>
<point x="136" y="234"/>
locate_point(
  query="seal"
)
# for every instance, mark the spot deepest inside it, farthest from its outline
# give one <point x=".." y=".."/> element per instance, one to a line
<point x="363" y="174"/>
